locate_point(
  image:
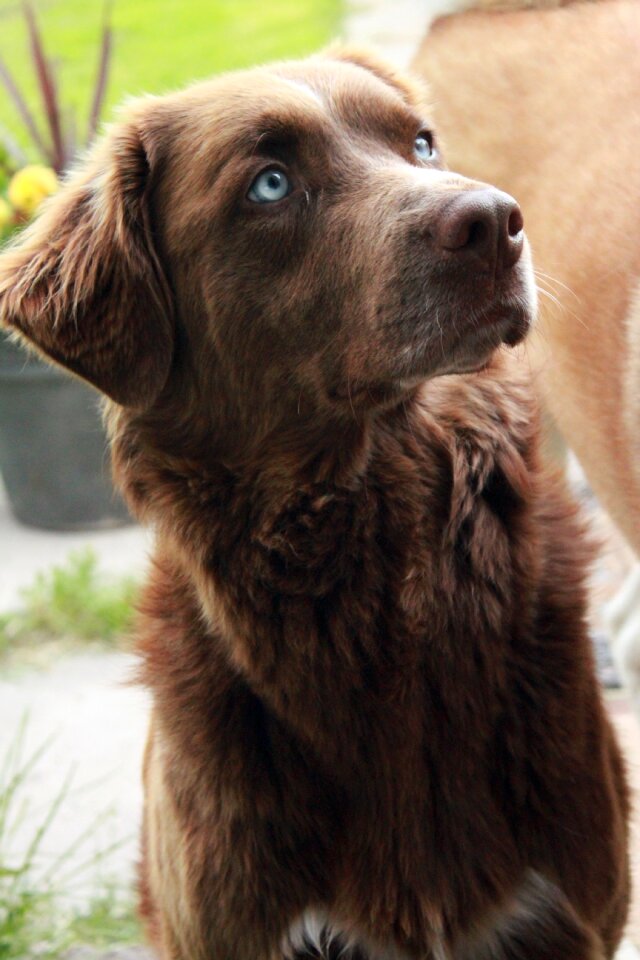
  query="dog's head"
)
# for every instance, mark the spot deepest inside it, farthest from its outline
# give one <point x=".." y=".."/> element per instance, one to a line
<point x="276" y="241"/>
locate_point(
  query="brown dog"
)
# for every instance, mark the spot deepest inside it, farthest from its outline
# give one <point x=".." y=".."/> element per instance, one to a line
<point x="376" y="724"/>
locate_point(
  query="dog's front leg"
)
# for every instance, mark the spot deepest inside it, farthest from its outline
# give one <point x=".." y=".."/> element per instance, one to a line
<point x="214" y="883"/>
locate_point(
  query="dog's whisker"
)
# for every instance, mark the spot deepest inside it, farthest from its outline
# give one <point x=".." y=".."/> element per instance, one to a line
<point x="541" y="283"/>
<point x="561" y="306"/>
<point x="350" y="397"/>
<point x="441" y="331"/>
<point x="554" y="280"/>
<point x="549" y="296"/>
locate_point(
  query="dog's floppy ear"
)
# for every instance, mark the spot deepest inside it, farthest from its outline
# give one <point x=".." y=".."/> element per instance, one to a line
<point x="84" y="284"/>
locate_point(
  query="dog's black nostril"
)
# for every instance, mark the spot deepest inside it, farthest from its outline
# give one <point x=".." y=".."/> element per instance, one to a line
<point x="477" y="234"/>
<point x="484" y="227"/>
<point x="515" y="223"/>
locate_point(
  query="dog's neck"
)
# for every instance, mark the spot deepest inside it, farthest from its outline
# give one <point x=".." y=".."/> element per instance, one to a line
<point x="432" y="481"/>
<point x="269" y="450"/>
<point x="299" y="453"/>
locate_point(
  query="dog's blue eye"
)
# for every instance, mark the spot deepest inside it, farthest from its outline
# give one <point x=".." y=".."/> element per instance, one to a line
<point x="424" y="146"/>
<point x="270" y="185"/>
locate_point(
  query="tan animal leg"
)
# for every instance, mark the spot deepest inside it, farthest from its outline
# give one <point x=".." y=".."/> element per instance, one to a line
<point x="543" y="103"/>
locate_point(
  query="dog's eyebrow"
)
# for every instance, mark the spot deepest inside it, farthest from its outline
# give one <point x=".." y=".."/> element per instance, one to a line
<point x="391" y="120"/>
<point x="276" y="131"/>
<point x="271" y="136"/>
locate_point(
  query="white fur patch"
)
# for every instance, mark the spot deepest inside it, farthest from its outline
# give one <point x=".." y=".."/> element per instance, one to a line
<point x="303" y="87"/>
<point x="627" y="951"/>
<point x="306" y="934"/>
<point x="444" y="8"/>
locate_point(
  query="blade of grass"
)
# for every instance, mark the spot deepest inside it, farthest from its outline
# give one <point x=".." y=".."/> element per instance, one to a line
<point x="8" y="791"/>
<point x="64" y="879"/>
<point x="34" y="846"/>
<point x="14" y="749"/>
<point x="71" y="849"/>
<point x="48" y="90"/>
<point x="35" y="911"/>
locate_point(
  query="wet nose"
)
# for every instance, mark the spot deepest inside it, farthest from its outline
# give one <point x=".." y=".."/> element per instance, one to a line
<point x="482" y="226"/>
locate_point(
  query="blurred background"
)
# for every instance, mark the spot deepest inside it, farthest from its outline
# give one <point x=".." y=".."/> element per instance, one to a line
<point x="158" y="45"/>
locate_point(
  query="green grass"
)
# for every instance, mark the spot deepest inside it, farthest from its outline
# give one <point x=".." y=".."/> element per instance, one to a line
<point x="159" y="44"/>
<point x="33" y="917"/>
<point x="72" y="602"/>
<point x="107" y="921"/>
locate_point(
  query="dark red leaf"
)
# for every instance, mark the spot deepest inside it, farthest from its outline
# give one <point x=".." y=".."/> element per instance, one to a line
<point x="104" y="63"/>
<point x="48" y="90"/>
<point x="26" y="114"/>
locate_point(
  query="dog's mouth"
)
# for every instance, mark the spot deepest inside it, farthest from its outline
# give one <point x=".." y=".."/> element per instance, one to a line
<point x="461" y="344"/>
<point x="460" y="337"/>
<point x="486" y="330"/>
<point x="440" y="338"/>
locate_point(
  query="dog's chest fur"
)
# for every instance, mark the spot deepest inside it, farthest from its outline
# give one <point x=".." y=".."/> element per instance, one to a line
<point x="355" y="640"/>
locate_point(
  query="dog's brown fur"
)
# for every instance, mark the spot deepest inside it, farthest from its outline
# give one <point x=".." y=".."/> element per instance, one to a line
<point x="364" y="631"/>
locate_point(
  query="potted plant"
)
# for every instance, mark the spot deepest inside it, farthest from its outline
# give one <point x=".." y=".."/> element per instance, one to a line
<point x="53" y="453"/>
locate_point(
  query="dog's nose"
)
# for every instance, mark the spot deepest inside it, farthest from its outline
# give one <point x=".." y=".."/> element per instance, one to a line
<point x="483" y="225"/>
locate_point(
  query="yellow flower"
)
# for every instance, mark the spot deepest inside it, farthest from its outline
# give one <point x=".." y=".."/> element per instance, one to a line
<point x="6" y="213"/>
<point x="29" y="186"/>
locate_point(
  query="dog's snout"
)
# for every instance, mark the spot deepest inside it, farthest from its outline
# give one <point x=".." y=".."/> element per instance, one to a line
<point x="483" y="225"/>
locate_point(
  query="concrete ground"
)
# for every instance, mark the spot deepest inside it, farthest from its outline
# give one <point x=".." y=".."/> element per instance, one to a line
<point x="85" y="709"/>
<point x="25" y="551"/>
<point x="91" y="724"/>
